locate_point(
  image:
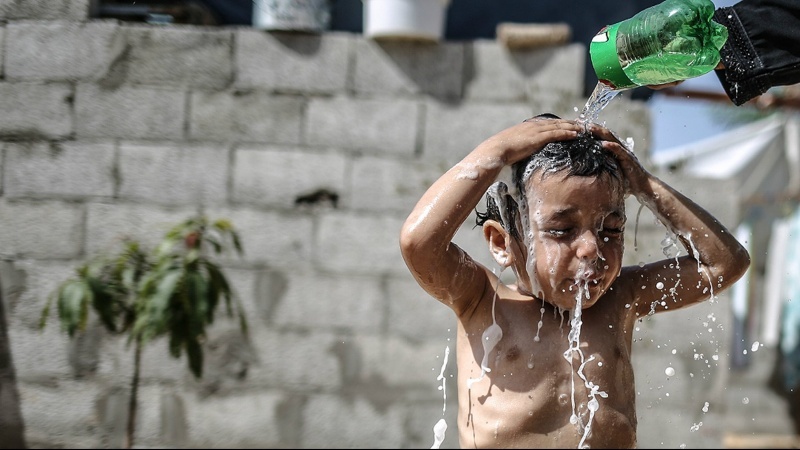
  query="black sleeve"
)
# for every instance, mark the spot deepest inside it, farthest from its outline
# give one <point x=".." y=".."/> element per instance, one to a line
<point x="763" y="47"/>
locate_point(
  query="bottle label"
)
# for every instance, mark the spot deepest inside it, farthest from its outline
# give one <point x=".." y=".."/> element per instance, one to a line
<point x="605" y="60"/>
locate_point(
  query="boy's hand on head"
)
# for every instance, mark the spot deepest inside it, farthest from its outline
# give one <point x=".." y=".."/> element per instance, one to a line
<point x="635" y="174"/>
<point x="522" y="140"/>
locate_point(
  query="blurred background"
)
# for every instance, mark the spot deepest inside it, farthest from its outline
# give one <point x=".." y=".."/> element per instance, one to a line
<point x="314" y="128"/>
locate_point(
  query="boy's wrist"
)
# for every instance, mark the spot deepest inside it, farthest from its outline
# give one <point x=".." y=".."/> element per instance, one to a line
<point x="491" y="155"/>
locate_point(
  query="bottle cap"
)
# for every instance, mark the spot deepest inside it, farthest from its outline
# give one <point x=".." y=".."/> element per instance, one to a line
<point x="603" y="51"/>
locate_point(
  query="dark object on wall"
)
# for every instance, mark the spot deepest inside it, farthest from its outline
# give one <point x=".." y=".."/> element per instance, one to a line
<point x="11" y="423"/>
<point x="155" y="11"/>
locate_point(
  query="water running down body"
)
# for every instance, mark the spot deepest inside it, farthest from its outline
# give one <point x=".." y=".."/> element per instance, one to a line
<point x="523" y="399"/>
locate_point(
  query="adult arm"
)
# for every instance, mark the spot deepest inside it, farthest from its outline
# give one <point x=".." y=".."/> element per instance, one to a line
<point x="763" y="47"/>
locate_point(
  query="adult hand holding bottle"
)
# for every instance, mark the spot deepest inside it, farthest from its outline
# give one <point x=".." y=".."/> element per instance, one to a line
<point x="661" y="45"/>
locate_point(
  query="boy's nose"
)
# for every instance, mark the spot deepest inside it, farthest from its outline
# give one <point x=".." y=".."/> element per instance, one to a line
<point x="588" y="245"/>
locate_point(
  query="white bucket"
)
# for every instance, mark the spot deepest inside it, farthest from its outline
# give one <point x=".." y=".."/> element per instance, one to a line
<point x="292" y="15"/>
<point x="405" y="19"/>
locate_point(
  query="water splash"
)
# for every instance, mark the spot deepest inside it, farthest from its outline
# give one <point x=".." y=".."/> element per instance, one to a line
<point x="490" y="337"/>
<point x="438" y="433"/>
<point x="600" y="98"/>
<point x="442" y="378"/>
<point x="573" y="350"/>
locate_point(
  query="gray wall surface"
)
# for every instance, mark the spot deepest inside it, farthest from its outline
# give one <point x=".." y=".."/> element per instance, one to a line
<point x="316" y="147"/>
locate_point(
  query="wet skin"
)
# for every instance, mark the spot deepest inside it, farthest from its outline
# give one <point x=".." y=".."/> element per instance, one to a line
<point x="526" y="400"/>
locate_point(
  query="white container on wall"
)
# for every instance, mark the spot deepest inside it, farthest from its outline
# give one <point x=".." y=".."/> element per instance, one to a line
<point x="405" y="19"/>
<point x="312" y="16"/>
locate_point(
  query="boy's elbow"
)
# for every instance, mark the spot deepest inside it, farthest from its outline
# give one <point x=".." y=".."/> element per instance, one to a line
<point x="409" y="242"/>
<point x="740" y="262"/>
<point x="743" y="257"/>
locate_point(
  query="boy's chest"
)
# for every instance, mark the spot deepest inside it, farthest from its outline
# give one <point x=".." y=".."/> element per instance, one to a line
<point x="542" y="375"/>
<point x="551" y="349"/>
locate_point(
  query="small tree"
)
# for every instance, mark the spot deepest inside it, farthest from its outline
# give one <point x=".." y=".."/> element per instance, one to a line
<point x="173" y="291"/>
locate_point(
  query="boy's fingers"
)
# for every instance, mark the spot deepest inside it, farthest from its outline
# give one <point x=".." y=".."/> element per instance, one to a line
<point x="604" y="133"/>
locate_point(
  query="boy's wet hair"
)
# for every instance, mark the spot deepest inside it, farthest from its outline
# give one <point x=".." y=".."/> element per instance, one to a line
<point x="583" y="157"/>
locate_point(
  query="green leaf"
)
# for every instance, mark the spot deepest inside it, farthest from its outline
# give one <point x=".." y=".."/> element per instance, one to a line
<point x="219" y="286"/>
<point x="72" y="299"/>
<point x="195" y="353"/>
<point x="176" y="340"/>
<point x="198" y="297"/>
<point x="161" y="287"/>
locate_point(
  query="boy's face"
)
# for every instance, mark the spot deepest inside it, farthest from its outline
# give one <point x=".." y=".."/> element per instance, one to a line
<point x="575" y="232"/>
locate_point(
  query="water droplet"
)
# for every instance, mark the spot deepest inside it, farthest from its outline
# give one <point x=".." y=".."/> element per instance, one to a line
<point x="755" y="346"/>
<point x="659" y="285"/>
<point x="745" y="401"/>
<point x="670" y="371"/>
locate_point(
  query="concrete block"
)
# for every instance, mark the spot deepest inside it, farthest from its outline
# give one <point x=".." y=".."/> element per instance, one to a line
<point x="191" y="174"/>
<point x="422" y="416"/>
<point x="245" y="116"/>
<point x="334" y="422"/>
<point x="35" y="111"/>
<point x="286" y="62"/>
<point x="359" y="244"/>
<point x="60" y="170"/>
<point x="452" y="132"/>
<point x="409" y="68"/>
<point x="282" y="176"/>
<point x="415" y="314"/>
<point x="326" y="302"/>
<point x="108" y="225"/>
<point x="243" y="283"/>
<point x="46" y="229"/>
<point x="296" y="361"/>
<point x="27" y="286"/>
<point x="157" y="362"/>
<point x="374" y="126"/>
<point x="501" y="74"/>
<point x="275" y="238"/>
<point x="130" y="112"/>
<point x="40" y="356"/>
<point x="382" y="184"/>
<point x="257" y="423"/>
<point x="177" y="56"/>
<point x="60" y="414"/>
<point x="75" y="10"/>
<point x="54" y="51"/>
<point x="399" y="365"/>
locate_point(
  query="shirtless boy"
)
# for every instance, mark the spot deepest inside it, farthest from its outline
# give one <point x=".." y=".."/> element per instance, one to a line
<point x="546" y="362"/>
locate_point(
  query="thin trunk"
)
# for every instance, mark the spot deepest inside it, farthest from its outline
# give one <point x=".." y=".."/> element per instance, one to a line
<point x="137" y="358"/>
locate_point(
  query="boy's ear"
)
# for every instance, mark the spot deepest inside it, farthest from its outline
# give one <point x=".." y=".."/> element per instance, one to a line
<point x="499" y="242"/>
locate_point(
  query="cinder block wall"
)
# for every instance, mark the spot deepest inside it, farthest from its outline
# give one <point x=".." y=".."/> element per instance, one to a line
<point x="316" y="147"/>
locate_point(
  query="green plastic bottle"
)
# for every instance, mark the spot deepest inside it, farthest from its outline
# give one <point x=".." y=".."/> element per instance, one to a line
<point x="672" y="41"/>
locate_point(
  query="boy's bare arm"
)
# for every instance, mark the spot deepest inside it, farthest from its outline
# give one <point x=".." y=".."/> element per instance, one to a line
<point x="443" y="269"/>
<point x="715" y="259"/>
